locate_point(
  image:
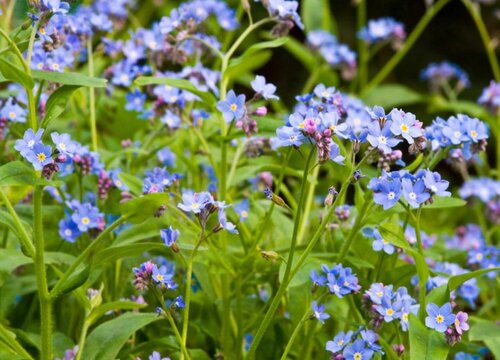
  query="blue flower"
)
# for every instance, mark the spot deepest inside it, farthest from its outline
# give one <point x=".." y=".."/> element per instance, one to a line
<point x="28" y="142"/>
<point x="155" y="355"/>
<point x="166" y="156"/>
<point x="330" y="120"/>
<point x="319" y="280"/>
<point x="288" y="136"/>
<point x="357" y="351"/>
<point x="339" y="342"/>
<point x="162" y="275"/>
<point x="13" y="112"/>
<point x="242" y="209"/>
<point x="371" y="338"/>
<point x="387" y="192"/>
<point x="379" y="243"/>
<point x="179" y="302"/>
<point x="383" y="29"/>
<point x="56" y="6"/>
<point x="435" y="185"/>
<point x="265" y="90"/>
<point x="169" y="236"/>
<point x="40" y="156"/>
<point x="335" y="154"/>
<point x="63" y="143"/>
<point x="439" y="318"/>
<point x="224" y="224"/>
<point x="68" y="230"/>
<point x="135" y="100"/>
<point x="414" y="194"/>
<point x="195" y="202"/>
<point x="171" y="119"/>
<point x="382" y="138"/>
<point x="319" y="312"/>
<point x="233" y="107"/>
<point x="86" y="216"/>
<point x="406" y="125"/>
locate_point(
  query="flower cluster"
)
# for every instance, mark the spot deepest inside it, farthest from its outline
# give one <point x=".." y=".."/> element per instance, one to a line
<point x="490" y="97"/>
<point x="383" y="30"/>
<point x="465" y="134"/>
<point x="82" y="217"/>
<point x="203" y="205"/>
<point x="441" y="75"/>
<point x="416" y="189"/>
<point x="379" y="243"/>
<point x="149" y="274"/>
<point x="385" y="305"/>
<point x="443" y="320"/>
<point x="361" y="344"/>
<point x="336" y="54"/>
<point x="340" y="280"/>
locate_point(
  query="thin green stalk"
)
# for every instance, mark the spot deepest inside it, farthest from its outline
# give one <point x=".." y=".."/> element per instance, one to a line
<point x="81" y="340"/>
<point x="410" y="41"/>
<point x="24" y="238"/>
<point x="295" y="333"/>
<point x="362" y="45"/>
<point x="474" y="11"/>
<point x="288" y="269"/>
<point x="187" y="297"/>
<point x="41" y="277"/>
<point x="309" y="203"/>
<point x="84" y="255"/>
<point x="14" y="47"/>
<point x="30" y="45"/>
<point x="93" y="125"/>
<point x="420" y="248"/>
<point x="11" y="341"/>
<point x="168" y="315"/>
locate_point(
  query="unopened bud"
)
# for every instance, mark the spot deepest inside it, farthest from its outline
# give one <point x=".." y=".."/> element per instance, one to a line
<point x="332" y="194"/>
<point x="261" y="111"/>
<point x="269" y="255"/>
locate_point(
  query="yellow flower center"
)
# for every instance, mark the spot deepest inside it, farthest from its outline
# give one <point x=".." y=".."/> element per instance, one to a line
<point x="325" y="93"/>
<point x="380" y="294"/>
<point x="340" y="343"/>
<point x="405" y="317"/>
<point x="473" y="134"/>
<point x="244" y="214"/>
<point x="195" y="206"/>
<point x="12" y="114"/>
<point x="42" y="30"/>
<point x="62" y="146"/>
<point x="55" y="66"/>
<point x="404" y="128"/>
<point x="439" y="319"/>
<point x="173" y="98"/>
<point x="357" y="356"/>
<point x="159" y="277"/>
<point x="389" y="312"/>
<point x="233" y="107"/>
<point x="385" y="242"/>
<point x="479" y="256"/>
<point x="85" y="220"/>
<point x="457" y="322"/>
<point x="41" y="157"/>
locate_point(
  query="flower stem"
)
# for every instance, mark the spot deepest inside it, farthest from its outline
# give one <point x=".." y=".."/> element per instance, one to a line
<point x="288" y="270"/>
<point x="295" y="333"/>
<point x="410" y="41"/>
<point x="187" y="297"/>
<point x="93" y="125"/>
<point x="421" y="281"/>
<point x="41" y="277"/>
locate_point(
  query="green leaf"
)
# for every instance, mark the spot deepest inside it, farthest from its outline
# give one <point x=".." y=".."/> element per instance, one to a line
<point x="74" y="281"/>
<point x="101" y="310"/>
<point x="183" y="84"/>
<point x="315" y="14"/>
<point x="142" y="208"/>
<point x="132" y="182"/>
<point x="415" y="164"/>
<point x="69" y="78"/>
<point x="256" y="47"/>
<point x="114" y="253"/>
<point x="426" y="344"/>
<point x="107" y="339"/>
<point x="11" y="259"/>
<point x="57" y="103"/>
<point x="488" y="332"/>
<point x="13" y="73"/>
<point x="6" y="219"/>
<point x="457" y="280"/>
<point x="17" y="173"/>
<point x="391" y="95"/>
<point x="440" y="202"/>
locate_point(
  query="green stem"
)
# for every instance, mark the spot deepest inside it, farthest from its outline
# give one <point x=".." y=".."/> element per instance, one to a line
<point x="168" y="315"/>
<point x="362" y="45"/>
<point x="288" y="269"/>
<point x="24" y="238"/>
<point x="309" y="203"/>
<point x="41" y="277"/>
<point x="187" y="297"/>
<point x="295" y="334"/>
<point x="474" y="11"/>
<point x="81" y="341"/>
<point x="93" y="125"/>
<point x="30" y="45"/>
<point x="84" y="255"/>
<point x="421" y="281"/>
<point x="410" y="41"/>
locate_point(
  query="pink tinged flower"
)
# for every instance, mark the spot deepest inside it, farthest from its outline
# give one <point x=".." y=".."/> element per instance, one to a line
<point x="461" y="322"/>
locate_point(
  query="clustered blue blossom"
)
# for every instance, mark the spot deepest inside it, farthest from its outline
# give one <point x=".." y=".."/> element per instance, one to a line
<point x="443" y="320"/>
<point x="445" y="74"/>
<point x="385" y="29"/>
<point x="339" y="280"/>
<point x="361" y="344"/>
<point x="385" y="305"/>
<point x="80" y="218"/>
<point x="490" y="97"/>
<point x="415" y="189"/>
<point x="379" y="243"/>
<point x="336" y="54"/>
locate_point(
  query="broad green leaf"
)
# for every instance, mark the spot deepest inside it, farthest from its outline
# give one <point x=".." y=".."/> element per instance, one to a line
<point x="13" y="73"/>
<point x="142" y="208"/>
<point x="256" y="47"/>
<point x="242" y="72"/>
<point x="183" y="84"/>
<point x="17" y="173"/>
<point x="426" y="344"/>
<point x="69" y="78"/>
<point x="440" y="202"/>
<point x="315" y="14"/>
<point x="488" y="332"/>
<point x="132" y="182"/>
<point x="302" y="276"/>
<point x="457" y="280"/>
<point x="106" y="340"/>
<point x="74" y="281"/>
<point x="10" y="260"/>
<point x="391" y="95"/>
<point x="102" y="309"/>
<point x="57" y="103"/>
<point x="7" y="220"/>
<point x="440" y="104"/>
<point x="114" y="253"/>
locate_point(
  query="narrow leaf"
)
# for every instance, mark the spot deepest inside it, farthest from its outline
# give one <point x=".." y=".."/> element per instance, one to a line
<point x="68" y="78"/>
